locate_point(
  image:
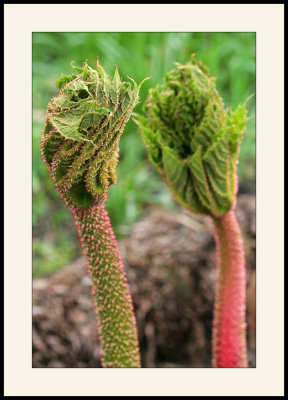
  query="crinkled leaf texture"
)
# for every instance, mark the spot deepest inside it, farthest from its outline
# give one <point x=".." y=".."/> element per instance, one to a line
<point x="192" y="140"/>
<point x="80" y="142"/>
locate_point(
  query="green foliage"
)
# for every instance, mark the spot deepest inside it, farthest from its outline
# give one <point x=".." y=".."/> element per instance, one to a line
<point x="230" y="56"/>
<point x="192" y="140"/>
<point x="49" y="257"/>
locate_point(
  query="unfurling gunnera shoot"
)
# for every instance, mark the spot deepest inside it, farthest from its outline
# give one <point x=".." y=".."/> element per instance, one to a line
<point x="80" y="146"/>
<point x="194" y="143"/>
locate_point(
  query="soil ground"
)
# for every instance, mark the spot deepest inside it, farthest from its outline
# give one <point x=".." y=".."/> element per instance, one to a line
<point x="170" y="264"/>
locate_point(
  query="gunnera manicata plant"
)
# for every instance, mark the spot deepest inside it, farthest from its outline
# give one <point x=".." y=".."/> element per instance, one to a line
<point x="194" y="143"/>
<point x="80" y="146"/>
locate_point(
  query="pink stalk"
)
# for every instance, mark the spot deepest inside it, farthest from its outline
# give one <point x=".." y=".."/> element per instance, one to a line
<point x="114" y="309"/>
<point x="229" y="326"/>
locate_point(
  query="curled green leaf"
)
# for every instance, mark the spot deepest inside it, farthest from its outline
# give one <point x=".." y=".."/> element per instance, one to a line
<point x="82" y="131"/>
<point x="192" y="140"/>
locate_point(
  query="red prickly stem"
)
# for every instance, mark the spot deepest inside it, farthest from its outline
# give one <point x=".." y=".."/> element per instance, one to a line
<point x="194" y="143"/>
<point x="229" y="327"/>
<point x="114" y="309"/>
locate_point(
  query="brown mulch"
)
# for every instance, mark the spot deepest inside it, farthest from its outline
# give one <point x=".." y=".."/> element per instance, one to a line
<point x="170" y="263"/>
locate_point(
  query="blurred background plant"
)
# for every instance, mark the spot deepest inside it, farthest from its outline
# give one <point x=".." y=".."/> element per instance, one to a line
<point x="229" y="56"/>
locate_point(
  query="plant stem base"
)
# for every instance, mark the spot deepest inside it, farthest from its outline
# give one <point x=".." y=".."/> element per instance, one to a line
<point x="114" y="309"/>
<point x="229" y="326"/>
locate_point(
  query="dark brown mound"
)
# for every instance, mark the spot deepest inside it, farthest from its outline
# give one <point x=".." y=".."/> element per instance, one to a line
<point x="170" y="262"/>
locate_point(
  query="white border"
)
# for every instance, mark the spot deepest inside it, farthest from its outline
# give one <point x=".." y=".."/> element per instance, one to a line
<point x="19" y="23"/>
